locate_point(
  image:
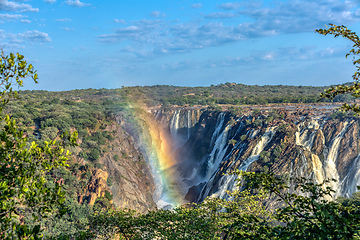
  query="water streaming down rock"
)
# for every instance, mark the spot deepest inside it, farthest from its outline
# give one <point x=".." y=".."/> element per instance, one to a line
<point x="218" y="127"/>
<point x="330" y="169"/>
<point x="174" y="125"/>
<point x="158" y="143"/>
<point x="264" y="140"/>
<point x="188" y="123"/>
<point x="352" y="179"/>
<point x="305" y="135"/>
<point x="209" y="144"/>
<point x="219" y="142"/>
<point x="228" y="182"/>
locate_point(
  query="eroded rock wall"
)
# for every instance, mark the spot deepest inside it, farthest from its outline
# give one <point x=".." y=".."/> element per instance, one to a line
<point x="291" y="143"/>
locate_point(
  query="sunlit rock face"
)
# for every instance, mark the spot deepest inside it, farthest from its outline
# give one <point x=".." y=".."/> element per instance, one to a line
<point x="294" y="143"/>
<point x="133" y="185"/>
<point x="206" y="145"/>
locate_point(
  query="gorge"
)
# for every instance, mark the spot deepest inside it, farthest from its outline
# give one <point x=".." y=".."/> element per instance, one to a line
<point x="191" y="151"/>
<point x="137" y="154"/>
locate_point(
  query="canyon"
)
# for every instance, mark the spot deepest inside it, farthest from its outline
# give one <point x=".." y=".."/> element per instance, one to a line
<point x="206" y="145"/>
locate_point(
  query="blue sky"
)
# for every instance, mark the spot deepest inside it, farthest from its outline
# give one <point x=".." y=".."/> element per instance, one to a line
<point x="108" y="44"/>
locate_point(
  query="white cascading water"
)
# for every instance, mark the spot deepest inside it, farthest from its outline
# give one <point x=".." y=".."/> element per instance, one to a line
<point x="174" y="124"/>
<point x="330" y="161"/>
<point x="327" y="169"/>
<point x="217" y="184"/>
<point x="228" y="182"/>
<point x="303" y="138"/>
<point x="352" y="180"/>
<point x="220" y="146"/>
<point x="157" y="114"/>
<point x="264" y="140"/>
<point x="317" y="166"/>
<point x="218" y="152"/>
<point x="189" y="113"/>
<point x="254" y="133"/>
<point x="218" y="127"/>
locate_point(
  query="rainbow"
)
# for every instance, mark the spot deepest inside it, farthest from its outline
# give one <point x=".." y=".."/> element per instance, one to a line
<point x="158" y="147"/>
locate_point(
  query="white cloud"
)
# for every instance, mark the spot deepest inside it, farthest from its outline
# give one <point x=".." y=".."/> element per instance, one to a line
<point x="206" y="35"/>
<point x="11" y="16"/>
<point x="6" y="5"/>
<point x="281" y="54"/>
<point x="76" y="3"/>
<point x="196" y="5"/>
<point x="230" y="5"/>
<point x="50" y="1"/>
<point x="67" y="29"/>
<point x="157" y="14"/>
<point x="221" y="15"/>
<point x="152" y="38"/>
<point x="140" y="31"/>
<point x="148" y="39"/>
<point x="119" y="21"/>
<point x="63" y="20"/>
<point x="269" y="56"/>
<point x="35" y="36"/>
<point x="294" y="16"/>
<point x="14" y="42"/>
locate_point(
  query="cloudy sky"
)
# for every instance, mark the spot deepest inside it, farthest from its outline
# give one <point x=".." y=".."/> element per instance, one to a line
<point x="108" y="44"/>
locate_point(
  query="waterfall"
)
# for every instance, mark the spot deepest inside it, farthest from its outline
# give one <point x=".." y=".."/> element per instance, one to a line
<point x="156" y="143"/>
<point x="330" y="162"/>
<point x="218" y="127"/>
<point x="157" y="115"/>
<point x="303" y="138"/>
<point x="228" y="182"/>
<point x="174" y="124"/>
<point x="318" y="170"/>
<point x="327" y="169"/>
<point x="264" y="140"/>
<point x="352" y="179"/>
<point x="218" y="152"/>
<point x="254" y="133"/>
<point x="313" y="160"/>
<point x="188" y="123"/>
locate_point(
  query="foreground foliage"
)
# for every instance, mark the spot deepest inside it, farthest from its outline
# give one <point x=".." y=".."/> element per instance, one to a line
<point x="25" y="197"/>
<point x="350" y="89"/>
<point x="304" y="214"/>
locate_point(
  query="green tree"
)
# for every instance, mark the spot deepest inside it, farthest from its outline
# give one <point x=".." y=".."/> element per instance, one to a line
<point x="354" y="89"/>
<point x="25" y="197"/>
<point x="306" y="214"/>
<point x="210" y="220"/>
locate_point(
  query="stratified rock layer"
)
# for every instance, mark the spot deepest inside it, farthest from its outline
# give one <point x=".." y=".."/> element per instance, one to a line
<point x="290" y="142"/>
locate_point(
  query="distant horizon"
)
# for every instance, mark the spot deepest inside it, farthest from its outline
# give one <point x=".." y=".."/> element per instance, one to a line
<point x="24" y="89"/>
<point x="80" y="44"/>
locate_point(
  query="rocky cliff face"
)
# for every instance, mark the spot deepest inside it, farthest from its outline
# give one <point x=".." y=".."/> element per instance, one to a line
<point x="289" y="142"/>
<point x="96" y="187"/>
<point x="124" y="173"/>
<point x="132" y="182"/>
